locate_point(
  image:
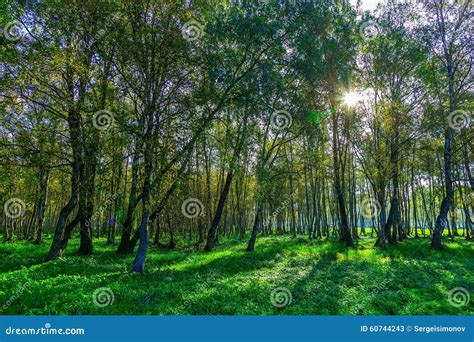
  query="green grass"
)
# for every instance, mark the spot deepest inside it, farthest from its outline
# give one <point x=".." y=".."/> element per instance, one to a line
<point x="323" y="277"/>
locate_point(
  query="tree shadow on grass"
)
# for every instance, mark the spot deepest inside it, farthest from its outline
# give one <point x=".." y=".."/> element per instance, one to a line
<point x="65" y="286"/>
<point x="252" y="296"/>
<point x="333" y="287"/>
<point x="221" y="266"/>
<point x="421" y="287"/>
<point x="323" y="279"/>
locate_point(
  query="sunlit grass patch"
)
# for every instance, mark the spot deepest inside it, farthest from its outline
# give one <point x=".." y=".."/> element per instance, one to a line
<point x="322" y="276"/>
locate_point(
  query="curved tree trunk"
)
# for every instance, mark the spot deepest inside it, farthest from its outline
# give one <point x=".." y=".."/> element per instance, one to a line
<point x="77" y="169"/>
<point x="256" y="227"/>
<point x="441" y="220"/>
<point x="124" y="246"/>
<point x="212" y="234"/>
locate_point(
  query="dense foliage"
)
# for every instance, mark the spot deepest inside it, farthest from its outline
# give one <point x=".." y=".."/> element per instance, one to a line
<point x="179" y="124"/>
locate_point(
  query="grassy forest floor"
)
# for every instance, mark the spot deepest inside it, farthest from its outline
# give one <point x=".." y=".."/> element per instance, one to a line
<point x="324" y="278"/>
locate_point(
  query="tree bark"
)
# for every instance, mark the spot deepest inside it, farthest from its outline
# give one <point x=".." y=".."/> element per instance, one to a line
<point x="344" y="226"/>
<point x="256" y="227"/>
<point x="41" y="206"/>
<point x="74" y="123"/>
<point x="447" y="201"/>
<point x="211" y="235"/>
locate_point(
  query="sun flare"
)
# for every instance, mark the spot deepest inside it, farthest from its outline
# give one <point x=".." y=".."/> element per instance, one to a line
<point x="351" y="98"/>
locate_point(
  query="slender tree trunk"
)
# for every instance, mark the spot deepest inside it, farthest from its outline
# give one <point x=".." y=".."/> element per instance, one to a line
<point x="156" y="224"/>
<point x="124" y="246"/>
<point x="211" y="236"/>
<point x="441" y="219"/>
<point x="139" y="262"/>
<point x="86" y="198"/>
<point x="44" y="180"/>
<point x="256" y="227"/>
<point x="341" y="202"/>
